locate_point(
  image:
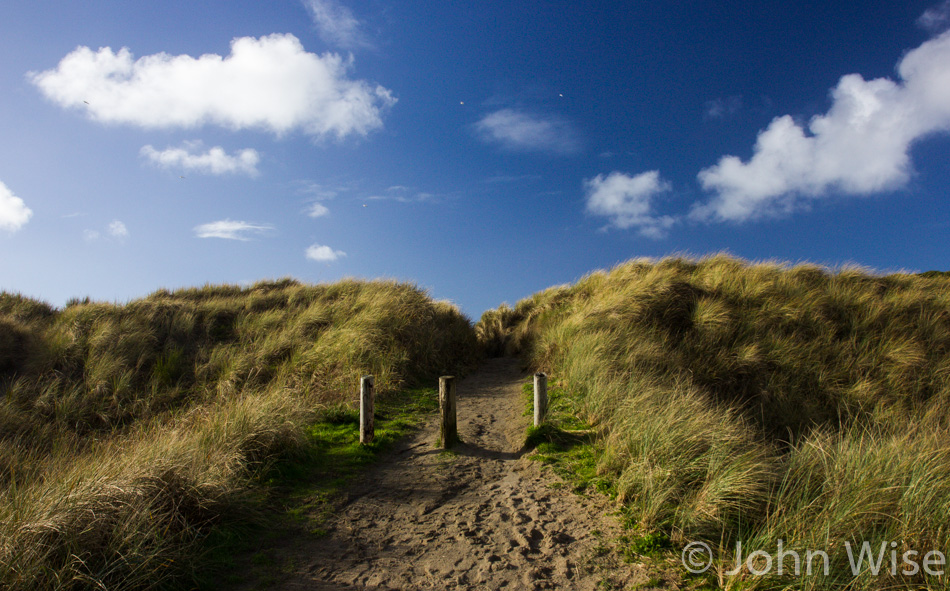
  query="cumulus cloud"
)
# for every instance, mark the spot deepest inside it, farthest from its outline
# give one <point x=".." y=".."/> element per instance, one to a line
<point x="269" y="83"/>
<point x="522" y="131"/>
<point x="317" y="210"/>
<point x="230" y="230"/>
<point x="323" y="254"/>
<point x="336" y="24"/>
<point x="936" y="19"/>
<point x="627" y="201"/>
<point x="14" y="213"/>
<point x="213" y="161"/>
<point x="860" y="146"/>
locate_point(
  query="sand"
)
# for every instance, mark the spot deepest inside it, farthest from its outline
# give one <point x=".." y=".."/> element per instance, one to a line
<point x="483" y="517"/>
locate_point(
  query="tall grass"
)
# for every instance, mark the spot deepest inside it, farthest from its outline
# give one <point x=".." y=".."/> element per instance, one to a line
<point x="749" y="403"/>
<point x="127" y="431"/>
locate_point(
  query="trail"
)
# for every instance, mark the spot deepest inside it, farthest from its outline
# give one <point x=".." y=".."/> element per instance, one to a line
<point x="486" y="517"/>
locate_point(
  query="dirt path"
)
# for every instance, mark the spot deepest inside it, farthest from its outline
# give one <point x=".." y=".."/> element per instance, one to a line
<point x="483" y="518"/>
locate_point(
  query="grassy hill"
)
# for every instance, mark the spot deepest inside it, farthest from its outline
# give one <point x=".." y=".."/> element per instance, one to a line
<point x="733" y="402"/>
<point x="127" y="431"/>
<point x="750" y="403"/>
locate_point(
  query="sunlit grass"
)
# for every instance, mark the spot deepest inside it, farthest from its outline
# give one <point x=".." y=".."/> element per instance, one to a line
<point x="128" y="433"/>
<point x="751" y="402"/>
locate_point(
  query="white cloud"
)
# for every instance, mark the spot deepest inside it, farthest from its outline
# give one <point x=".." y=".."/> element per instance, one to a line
<point x="323" y="254"/>
<point x="117" y="229"/>
<point x="213" y="161"/>
<point x="230" y="230"/>
<point x="628" y="201"/>
<point x="14" y="213"/>
<point x="521" y="131"/>
<point x="317" y="210"/>
<point x="318" y="191"/>
<point x="270" y="83"/>
<point x="402" y="194"/>
<point x="860" y="146"/>
<point x="936" y="19"/>
<point x="336" y="24"/>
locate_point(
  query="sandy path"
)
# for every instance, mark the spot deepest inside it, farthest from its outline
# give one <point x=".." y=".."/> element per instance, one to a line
<point x="484" y="518"/>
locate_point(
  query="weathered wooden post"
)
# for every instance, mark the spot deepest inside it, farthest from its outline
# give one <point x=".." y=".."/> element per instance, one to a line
<point x="367" y="394"/>
<point x="540" y="397"/>
<point x="449" y="430"/>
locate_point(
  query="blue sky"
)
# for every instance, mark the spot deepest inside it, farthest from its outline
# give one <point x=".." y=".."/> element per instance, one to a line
<point x="483" y="151"/>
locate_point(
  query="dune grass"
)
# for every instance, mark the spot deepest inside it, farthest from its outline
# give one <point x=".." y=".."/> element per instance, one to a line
<point x="732" y="403"/>
<point x="127" y="432"/>
<point x="741" y="402"/>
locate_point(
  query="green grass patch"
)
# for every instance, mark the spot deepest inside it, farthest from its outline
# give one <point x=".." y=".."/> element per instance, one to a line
<point x="647" y="544"/>
<point x="564" y="442"/>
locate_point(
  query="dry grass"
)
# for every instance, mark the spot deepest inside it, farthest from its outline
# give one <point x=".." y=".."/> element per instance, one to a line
<point x="752" y="402"/>
<point x="127" y="431"/>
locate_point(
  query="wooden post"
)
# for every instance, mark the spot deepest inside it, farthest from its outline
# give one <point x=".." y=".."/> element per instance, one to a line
<point x="540" y="397"/>
<point x="449" y="430"/>
<point x="367" y="394"/>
